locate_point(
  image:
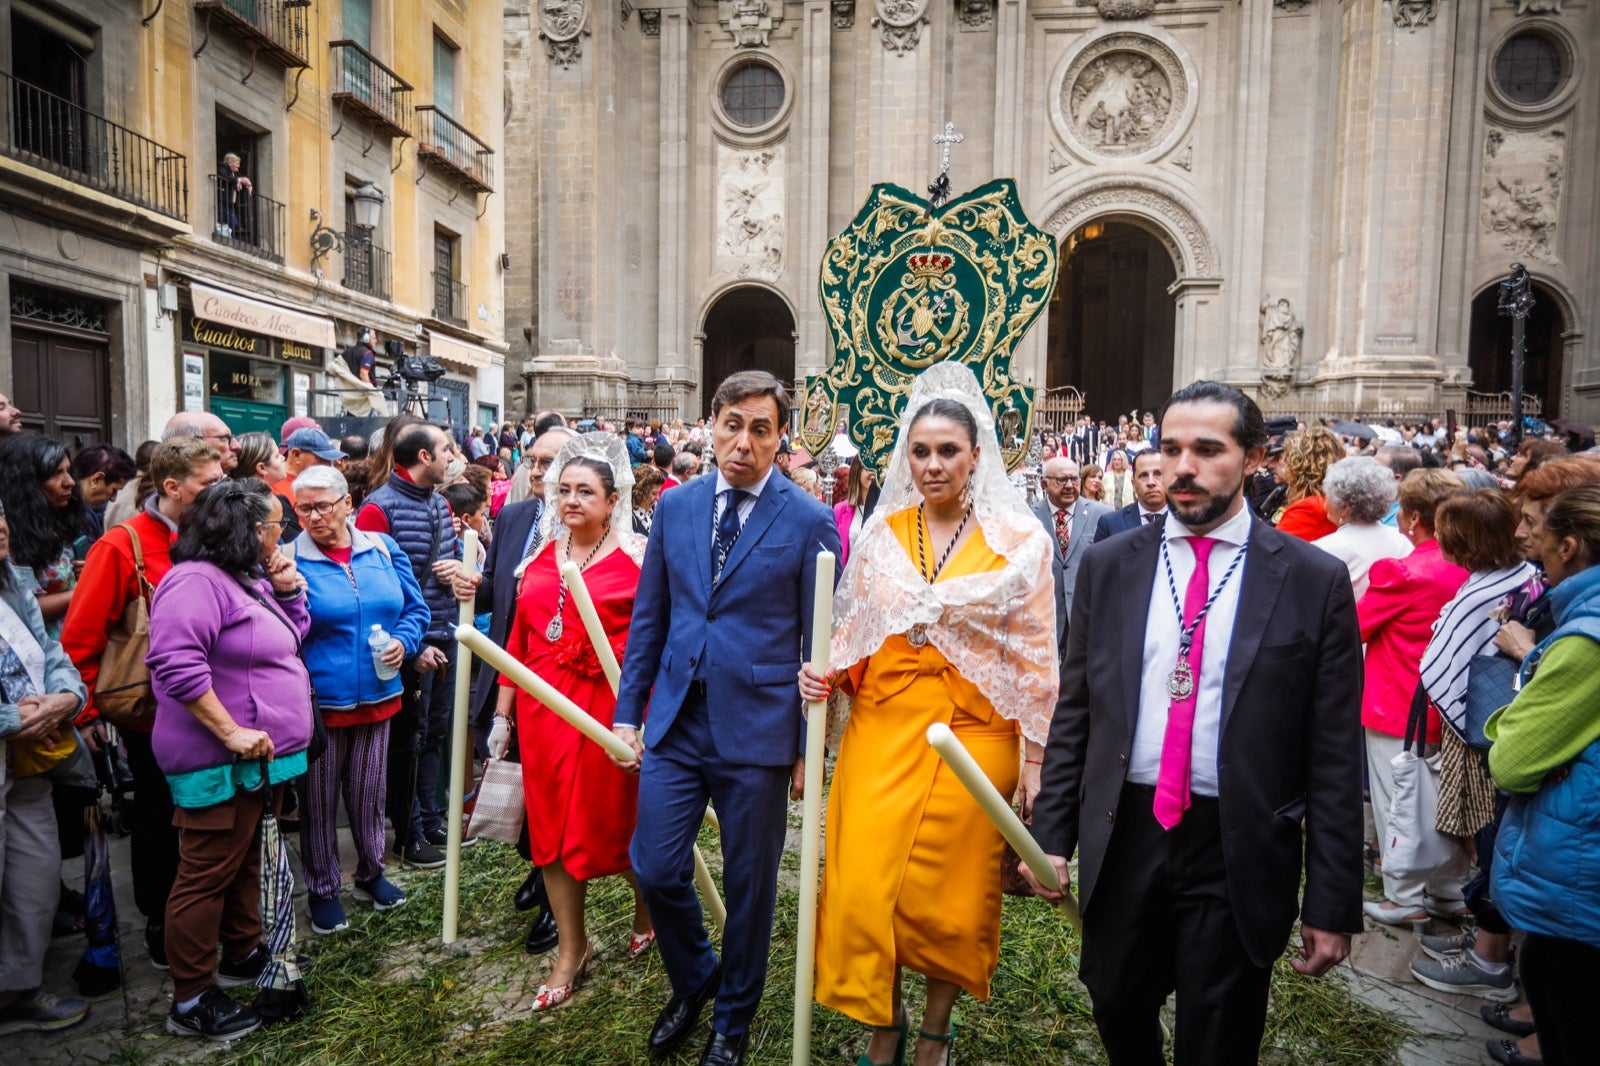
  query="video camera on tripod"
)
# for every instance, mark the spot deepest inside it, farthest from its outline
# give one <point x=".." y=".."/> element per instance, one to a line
<point x="410" y="383"/>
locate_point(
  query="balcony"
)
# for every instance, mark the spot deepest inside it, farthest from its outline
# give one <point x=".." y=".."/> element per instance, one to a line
<point x="273" y="28"/>
<point x="247" y="221"/>
<point x="447" y="142"/>
<point x="55" y="135"/>
<point x="366" y="267"/>
<point x="449" y="299"/>
<point x="374" y="93"/>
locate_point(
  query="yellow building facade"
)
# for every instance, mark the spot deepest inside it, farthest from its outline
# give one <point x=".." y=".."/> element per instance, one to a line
<point x="203" y="202"/>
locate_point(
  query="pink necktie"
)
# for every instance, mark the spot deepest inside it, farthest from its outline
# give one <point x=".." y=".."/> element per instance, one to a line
<point x="1172" y="784"/>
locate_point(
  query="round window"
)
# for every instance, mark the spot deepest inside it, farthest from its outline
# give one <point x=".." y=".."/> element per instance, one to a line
<point x="1529" y="68"/>
<point x="752" y="95"/>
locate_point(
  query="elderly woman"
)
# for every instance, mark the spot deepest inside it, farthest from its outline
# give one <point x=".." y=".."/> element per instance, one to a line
<point x="128" y="562"/>
<point x="40" y="692"/>
<point x="1397" y="614"/>
<point x="353" y="587"/>
<point x="1544" y="753"/>
<point x="646" y="490"/>
<point x="1477" y="532"/>
<point x="1306" y="458"/>
<point x="233" y="717"/>
<point x="1358" y="492"/>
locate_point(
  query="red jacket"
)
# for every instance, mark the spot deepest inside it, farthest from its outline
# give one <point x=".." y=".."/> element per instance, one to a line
<point x="105" y="587"/>
<point x="1397" y="614"/>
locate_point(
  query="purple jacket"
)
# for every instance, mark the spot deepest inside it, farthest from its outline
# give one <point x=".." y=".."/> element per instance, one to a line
<point x="208" y="632"/>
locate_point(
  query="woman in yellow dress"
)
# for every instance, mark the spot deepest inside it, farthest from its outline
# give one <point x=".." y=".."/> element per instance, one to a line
<point x="945" y="613"/>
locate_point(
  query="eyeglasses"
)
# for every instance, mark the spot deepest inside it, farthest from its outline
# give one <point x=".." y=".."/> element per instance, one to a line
<point x="279" y="522"/>
<point x="319" y="510"/>
<point x="229" y="437"/>
<point x="1070" y="479"/>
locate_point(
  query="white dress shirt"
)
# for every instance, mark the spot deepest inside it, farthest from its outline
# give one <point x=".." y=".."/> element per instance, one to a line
<point x="1161" y="637"/>
<point x="746" y="505"/>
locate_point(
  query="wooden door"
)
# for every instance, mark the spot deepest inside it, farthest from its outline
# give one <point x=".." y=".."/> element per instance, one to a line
<point x="62" y="384"/>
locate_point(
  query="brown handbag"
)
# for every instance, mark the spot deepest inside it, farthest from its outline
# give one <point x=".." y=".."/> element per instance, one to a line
<point x="122" y="693"/>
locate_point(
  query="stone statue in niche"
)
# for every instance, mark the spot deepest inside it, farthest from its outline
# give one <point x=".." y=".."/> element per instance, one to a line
<point x="1121" y="100"/>
<point x="749" y="22"/>
<point x="1521" y="192"/>
<point x="1281" y="336"/>
<point x="750" y="227"/>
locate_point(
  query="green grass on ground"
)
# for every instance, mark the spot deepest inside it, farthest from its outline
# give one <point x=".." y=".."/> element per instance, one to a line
<point x="387" y="991"/>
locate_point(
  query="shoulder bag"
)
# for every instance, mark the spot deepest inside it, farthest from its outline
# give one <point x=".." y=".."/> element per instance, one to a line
<point x="122" y="693"/>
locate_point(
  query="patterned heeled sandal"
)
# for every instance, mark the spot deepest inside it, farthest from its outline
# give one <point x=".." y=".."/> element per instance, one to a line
<point x="549" y="998"/>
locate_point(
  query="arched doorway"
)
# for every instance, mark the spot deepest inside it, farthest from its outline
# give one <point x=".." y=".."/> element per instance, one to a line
<point x="1489" y="348"/>
<point x="748" y="328"/>
<point x="1111" y="330"/>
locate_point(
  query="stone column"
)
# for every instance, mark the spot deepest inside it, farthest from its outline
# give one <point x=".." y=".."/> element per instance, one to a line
<point x="1251" y="136"/>
<point x="813" y="348"/>
<point x="675" y="366"/>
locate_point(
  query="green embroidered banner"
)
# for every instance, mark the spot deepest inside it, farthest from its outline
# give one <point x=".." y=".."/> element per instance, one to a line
<point x="904" y="287"/>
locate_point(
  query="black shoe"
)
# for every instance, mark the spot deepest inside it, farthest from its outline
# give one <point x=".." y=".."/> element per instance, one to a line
<point x="722" y="1050"/>
<point x="1499" y="1016"/>
<point x="542" y="935"/>
<point x="531" y="894"/>
<point x="422" y="855"/>
<point x="1506" y="1053"/>
<point x="681" y="1012"/>
<point x="236" y="973"/>
<point x="215" y="1017"/>
<point x="155" y="942"/>
<point x="441" y="837"/>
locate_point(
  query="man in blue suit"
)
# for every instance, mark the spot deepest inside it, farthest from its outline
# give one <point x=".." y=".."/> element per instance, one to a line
<point x="1150" y="499"/>
<point x="720" y="627"/>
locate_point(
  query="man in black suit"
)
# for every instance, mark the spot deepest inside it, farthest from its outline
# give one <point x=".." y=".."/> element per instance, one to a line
<point x="1150" y="499"/>
<point x="517" y="535"/>
<point x="1190" y="775"/>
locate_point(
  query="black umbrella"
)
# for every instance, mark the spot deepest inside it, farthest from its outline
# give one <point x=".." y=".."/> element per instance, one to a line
<point x="100" y="969"/>
<point x="283" y="990"/>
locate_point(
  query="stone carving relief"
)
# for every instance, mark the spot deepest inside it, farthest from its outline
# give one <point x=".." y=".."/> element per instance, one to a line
<point x="1177" y="227"/>
<point x="749" y="22"/>
<point x="1281" y="336"/>
<point x="1120" y="103"/>
<point x="1185" y="158"/>
<point x="650" y="21"/>
<point x="1538" y="7"/>
<point x="1058" y="162"/>
<point x="562" y="24"/>
<point x="1521" y="194"/>
<point x="844" y="14"/>
<point x="1117" y="10"/>
<point x="750" y="204"/>
<point x="900" y="22"/>
<point x="1291" y="6"/>
<point x="976" y="13"/>
<point x="1410" y="14"/>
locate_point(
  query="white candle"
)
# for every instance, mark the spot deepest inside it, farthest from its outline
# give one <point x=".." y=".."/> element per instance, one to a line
<point x="811" y="823"/>
<point x="591" y="622"/>
<point x="970" y="774"/>
<point x="459" y="749"/>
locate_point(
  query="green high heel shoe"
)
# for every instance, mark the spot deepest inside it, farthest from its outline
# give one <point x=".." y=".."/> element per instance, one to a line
<point x="900" y="1045"/>
<point x="941" y="1038"/>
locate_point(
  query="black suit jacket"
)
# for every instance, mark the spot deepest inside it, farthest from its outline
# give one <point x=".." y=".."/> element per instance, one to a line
<point x="1290" y="755"/>
<point x="498" y="592"/>
<point x="1118" y="521"/>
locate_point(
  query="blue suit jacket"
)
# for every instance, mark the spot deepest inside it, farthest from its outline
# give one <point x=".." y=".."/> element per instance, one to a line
<point x="747" y="637"/>
<point x="1119" y="521"/>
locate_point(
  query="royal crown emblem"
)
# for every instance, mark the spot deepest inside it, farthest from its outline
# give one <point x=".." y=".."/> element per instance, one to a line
<point x="907" y="285"/>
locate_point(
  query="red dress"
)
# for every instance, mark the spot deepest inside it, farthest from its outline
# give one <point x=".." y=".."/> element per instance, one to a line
<point x="581" y="808"/>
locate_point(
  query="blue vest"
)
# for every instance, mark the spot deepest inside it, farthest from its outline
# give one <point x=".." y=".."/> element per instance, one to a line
<point x="419" y="522"/>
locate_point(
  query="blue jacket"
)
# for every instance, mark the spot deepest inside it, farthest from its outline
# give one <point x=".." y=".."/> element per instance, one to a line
<point x="1546" y="875"/>
<point x="379" y="589"/>
<point x="745" y="637"/>
<point x="419" y="522"/>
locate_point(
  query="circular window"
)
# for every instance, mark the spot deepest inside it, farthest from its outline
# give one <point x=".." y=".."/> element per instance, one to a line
<point x="1529" y="68"/>
<point x="752" y="95"/>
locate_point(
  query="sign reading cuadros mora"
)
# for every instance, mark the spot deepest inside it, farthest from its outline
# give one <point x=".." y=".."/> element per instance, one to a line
<point x="222" y="313"/>
<point x="197" y="330"/>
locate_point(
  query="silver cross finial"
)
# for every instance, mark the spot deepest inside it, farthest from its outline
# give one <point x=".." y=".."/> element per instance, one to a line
<point x="946" y="139"/>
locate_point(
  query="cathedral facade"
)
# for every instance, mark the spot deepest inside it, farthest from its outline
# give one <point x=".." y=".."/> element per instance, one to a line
<point x="1313" y="199"/>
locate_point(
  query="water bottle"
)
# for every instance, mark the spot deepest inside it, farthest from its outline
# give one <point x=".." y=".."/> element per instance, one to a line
<point x="378" y="642"/>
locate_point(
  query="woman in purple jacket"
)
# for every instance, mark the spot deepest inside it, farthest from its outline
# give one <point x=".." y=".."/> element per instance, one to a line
<point x="231" y="691"/>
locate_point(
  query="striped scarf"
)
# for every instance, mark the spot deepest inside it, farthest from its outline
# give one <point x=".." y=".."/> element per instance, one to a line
<point x="1466" y="628"/>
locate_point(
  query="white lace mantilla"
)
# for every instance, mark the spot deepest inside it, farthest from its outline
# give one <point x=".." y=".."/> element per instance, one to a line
<point x="997" y="628"/>
<point x="609" y="449"/>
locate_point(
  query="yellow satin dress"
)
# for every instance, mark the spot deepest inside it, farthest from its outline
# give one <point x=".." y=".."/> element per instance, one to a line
<point x="912" y="874"/>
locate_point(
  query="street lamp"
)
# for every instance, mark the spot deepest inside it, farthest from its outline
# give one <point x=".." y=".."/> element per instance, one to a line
<point x="366" y="207"/>
<point x="1516" y="301"/>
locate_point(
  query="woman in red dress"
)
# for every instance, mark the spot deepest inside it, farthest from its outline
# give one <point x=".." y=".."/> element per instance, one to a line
<point x="581" y="808"/>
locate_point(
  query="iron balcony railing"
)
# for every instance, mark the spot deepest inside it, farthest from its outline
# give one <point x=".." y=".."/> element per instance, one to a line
<point x="246" y="220"/>
<point x="274" y="27"/>
<point x="366" y="266"/>
<point x="447" y="141"/>
<point x="369" y="89"/>
<point x="449" y="299"/>
<point x="56" y="135"/>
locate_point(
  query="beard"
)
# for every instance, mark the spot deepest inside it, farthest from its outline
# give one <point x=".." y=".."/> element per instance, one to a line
<point x="1207" y="511"/>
